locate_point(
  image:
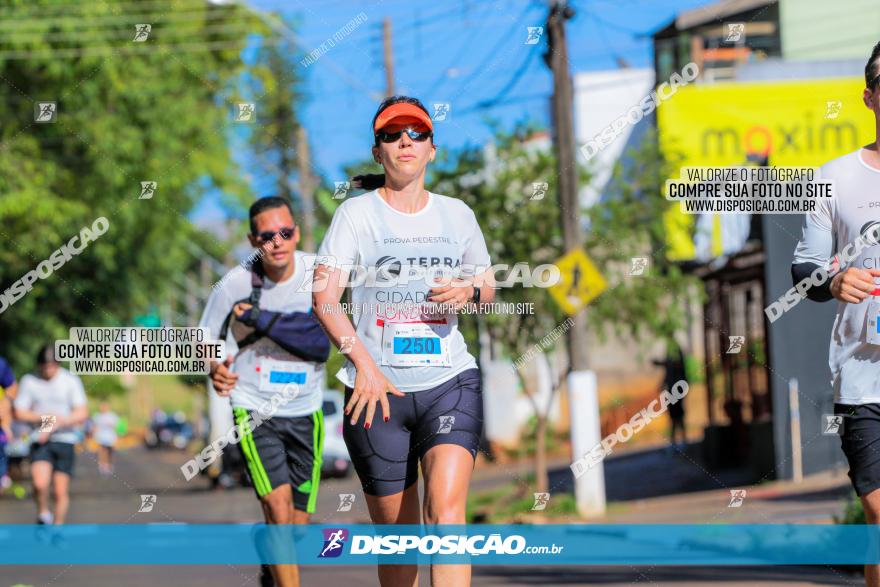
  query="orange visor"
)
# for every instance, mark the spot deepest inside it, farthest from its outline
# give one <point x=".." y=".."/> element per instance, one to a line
<point x="403" y="113"/>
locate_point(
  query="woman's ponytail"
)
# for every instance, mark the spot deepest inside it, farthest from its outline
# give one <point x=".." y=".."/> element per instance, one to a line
<point x="368" y="181"/>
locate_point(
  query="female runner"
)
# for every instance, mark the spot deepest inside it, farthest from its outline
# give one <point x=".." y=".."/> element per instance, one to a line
<point x="420" y="257"/>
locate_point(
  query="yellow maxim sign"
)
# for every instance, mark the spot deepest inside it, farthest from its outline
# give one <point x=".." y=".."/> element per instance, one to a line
<point x="795" y="123"/>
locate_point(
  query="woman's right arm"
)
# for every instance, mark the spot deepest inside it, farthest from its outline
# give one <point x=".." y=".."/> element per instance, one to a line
<point x="371" y="385"/>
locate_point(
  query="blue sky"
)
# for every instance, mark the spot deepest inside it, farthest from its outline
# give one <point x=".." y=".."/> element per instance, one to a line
<point x="464" y="52"/>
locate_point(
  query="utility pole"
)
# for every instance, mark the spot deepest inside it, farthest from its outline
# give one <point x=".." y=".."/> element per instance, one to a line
<point x="583" y="397"/>
<point x="389" y="62"/>
<point x="306" y="189"/>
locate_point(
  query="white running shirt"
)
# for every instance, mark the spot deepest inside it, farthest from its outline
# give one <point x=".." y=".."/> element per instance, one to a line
<point x="105" y="428"/>
<point x="53" y="397"/>
<point x="367" y="232"/>
<point x="838" y="221"/>
<point x="294" y="295"/>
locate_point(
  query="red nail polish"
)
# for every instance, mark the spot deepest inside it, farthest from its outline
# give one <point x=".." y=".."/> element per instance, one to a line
<point x="367" y="425"/>
<point x="387" y="418"/>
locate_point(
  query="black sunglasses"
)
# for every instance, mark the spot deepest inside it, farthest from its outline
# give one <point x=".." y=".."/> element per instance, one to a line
<point x="268" y="235"/>
<point x="390" y="137"/>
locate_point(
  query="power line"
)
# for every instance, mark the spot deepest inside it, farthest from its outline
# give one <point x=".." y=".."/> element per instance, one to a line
<point x="505" y="38"/>
<point x="279" y="26"/>
<point x="456" y="59"/>
<point x="510" y="84"/>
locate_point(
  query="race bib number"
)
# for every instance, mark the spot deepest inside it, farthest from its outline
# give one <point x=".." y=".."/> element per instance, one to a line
<point x="873" y="323"/>
<point x="415" y="345"/>
<point x="276" y="375"/>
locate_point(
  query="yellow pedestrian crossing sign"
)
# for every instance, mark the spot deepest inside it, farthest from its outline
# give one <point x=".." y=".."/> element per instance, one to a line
<point x="579" y="284"/>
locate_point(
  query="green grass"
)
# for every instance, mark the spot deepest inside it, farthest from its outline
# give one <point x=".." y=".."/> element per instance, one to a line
<point x="505" y="504"/>
<point x="854" y="512"/>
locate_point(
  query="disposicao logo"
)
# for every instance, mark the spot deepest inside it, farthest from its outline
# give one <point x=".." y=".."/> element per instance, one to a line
<point x="334" y="540"/>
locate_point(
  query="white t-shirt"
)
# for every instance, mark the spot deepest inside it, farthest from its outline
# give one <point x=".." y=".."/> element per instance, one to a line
<point x="253" y="391"/>
<point x="838" y="221"/>
<point x="444" y="235"/>
<point x="54" y="397"/>
<point x="105" y="428"/>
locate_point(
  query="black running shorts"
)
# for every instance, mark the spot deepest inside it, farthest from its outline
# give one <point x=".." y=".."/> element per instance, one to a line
<point x="386" y="457"/>
<point x="283" y="450"/>
<point x="860" y="439"/>
<point x="59" y="454"/>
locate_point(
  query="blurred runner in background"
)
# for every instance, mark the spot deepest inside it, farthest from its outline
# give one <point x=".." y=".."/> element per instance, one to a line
<point x="105" y="424"/>
<point x="54" y="401"/>
<point x="8" y="389"/>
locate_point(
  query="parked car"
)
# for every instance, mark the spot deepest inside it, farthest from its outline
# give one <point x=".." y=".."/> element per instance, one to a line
<point x="168" y="431"/>
<point x="336" y="462"/>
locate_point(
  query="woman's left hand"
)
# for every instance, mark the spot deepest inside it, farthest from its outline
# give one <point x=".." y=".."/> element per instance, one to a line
<point x="456" y="293"/>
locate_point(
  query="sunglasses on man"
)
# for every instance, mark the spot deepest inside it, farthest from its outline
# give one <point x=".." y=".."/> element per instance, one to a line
<point x="268" y="235"/>
<point x="413" y="134"/>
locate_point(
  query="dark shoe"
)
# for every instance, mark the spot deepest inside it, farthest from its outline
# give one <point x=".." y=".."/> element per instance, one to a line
<point x="266" y="579"/>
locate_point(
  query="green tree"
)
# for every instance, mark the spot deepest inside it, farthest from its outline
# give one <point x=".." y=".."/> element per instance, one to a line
<point x="127" y="112"/>
<point x="629" y="222"/>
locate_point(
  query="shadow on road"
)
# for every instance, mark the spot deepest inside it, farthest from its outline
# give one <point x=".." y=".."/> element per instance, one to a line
<point x="655" y="473"/>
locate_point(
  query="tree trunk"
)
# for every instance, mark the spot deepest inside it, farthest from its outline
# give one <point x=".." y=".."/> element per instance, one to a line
<point x="542" y="481"/>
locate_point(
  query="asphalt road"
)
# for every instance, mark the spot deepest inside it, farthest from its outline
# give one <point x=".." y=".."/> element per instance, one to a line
<point x="116" y="500"/>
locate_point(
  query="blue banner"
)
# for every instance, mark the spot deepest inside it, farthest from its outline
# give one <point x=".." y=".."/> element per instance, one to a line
<point x="508" y="544"/>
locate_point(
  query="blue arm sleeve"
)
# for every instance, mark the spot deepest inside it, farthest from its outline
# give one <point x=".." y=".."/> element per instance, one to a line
<point x="299" y="333"/>
<point x="6" y="376"/>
